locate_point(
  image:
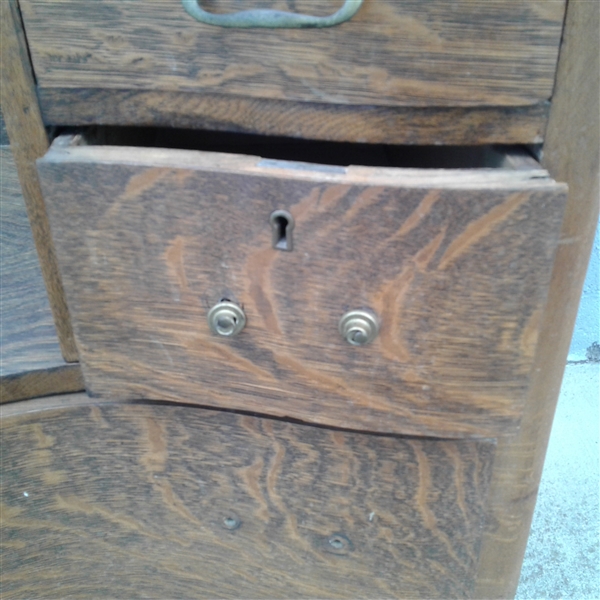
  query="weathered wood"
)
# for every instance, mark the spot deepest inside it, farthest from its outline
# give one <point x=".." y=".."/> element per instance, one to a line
<point x="31" y="363"/>
<point x="571" y="154"/>
<point x="179" y="502"/>
<point x="456" y="264"/>
<point x="28" y="142"/>
<point x="345" y="123"/>
<point x="391" y="53"/>
<point x="32" y="382"/>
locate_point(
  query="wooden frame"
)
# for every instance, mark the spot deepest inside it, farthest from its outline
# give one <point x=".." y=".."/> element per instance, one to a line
<point x="29" y="141"/>
<point x="571" y="155"/>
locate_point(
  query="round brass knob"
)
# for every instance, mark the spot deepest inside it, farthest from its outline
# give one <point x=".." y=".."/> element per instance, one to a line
<point x="359" y="327"/>
<point x="226" y="319"/>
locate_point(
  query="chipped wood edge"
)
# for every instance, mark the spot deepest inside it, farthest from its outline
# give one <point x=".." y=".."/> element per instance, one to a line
<point x="28" y="142"/>
<point x="62" y="379"/>
<point x="571" y="155"/>
<point x="68" y="149"/>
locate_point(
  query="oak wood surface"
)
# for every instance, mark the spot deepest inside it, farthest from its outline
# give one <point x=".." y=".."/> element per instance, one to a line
<point x="31" y="363"/>
<point x="28" y="142"/>
<point x="571" y="154"/>
<point x="346" y="123"/>
<point x="179" y="502"/>
<point x="456" y="264"/>
<point x="411" y="53"/>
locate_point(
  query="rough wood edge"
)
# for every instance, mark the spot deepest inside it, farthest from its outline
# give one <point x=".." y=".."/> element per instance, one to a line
<point x="29" y="141"/>
<point x="342" y="123"/>
<point x="571" y="155"/>
<point x="62" y="379"/>
<point x="68" y="149"/>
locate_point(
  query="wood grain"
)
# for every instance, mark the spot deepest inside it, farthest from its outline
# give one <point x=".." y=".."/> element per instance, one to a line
<point x="456" y="264"/>
<point x="135" y="501"/>
<point x="29" y="141"/>
<point x="571" y="154"/>
<point x="343" y="123"/>
<point x="34" y="382"/>
<point x="410" y="53"/>
<point x="31" y="363"/>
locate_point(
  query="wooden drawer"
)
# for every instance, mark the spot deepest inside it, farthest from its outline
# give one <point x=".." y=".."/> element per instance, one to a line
<point x="454" y="263"/>
<point x="179" y="502"/>
<point x="391" y="53"/>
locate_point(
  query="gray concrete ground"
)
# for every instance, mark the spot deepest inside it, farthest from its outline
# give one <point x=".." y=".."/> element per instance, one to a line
<point x="562" y="558"/>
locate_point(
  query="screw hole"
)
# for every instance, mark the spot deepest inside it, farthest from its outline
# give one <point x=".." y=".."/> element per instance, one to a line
<point x="231" y="522"/>
<point x="336" y="543"/>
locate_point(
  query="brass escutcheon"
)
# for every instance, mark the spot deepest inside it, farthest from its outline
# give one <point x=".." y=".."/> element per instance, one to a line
<point x="226" y="319"/>
<point x="359" y="327"/>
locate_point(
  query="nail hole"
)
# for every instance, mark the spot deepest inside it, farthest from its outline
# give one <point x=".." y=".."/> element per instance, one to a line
<point x="231" y="522"/>
<point x="337" y="543"/>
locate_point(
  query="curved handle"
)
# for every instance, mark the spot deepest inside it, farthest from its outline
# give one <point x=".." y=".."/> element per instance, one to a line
<point x="272" y="19"/>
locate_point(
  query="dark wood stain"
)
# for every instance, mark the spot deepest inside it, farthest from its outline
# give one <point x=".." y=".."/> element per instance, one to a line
<point x="458" y="276"/>
<point x="163" y="502"/>
<point x="408" y="53"/>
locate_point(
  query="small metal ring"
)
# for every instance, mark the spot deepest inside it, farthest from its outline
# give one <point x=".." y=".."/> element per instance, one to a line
<point x="226" y="319"/>
<point x="359" y="327"/>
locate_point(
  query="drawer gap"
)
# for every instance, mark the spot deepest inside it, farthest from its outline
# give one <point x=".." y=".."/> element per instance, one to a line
<point x="314" y="155"/>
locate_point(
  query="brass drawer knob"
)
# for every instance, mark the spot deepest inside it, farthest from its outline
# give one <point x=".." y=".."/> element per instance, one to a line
<point x="226" y="319"/>
<point x="359" y="327"/>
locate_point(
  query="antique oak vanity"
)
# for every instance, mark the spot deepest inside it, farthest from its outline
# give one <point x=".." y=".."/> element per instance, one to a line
<point x="313" y="267"/>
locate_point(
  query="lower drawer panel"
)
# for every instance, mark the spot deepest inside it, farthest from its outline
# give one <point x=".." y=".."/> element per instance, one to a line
<point x="180" y="502"/>
<point x="455" y="264"/>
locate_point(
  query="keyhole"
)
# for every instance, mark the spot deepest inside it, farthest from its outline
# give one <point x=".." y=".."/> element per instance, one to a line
<point x="282" y="224"/>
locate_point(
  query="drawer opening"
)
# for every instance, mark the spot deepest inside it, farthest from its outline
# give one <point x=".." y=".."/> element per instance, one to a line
<point x="309" y="152"/>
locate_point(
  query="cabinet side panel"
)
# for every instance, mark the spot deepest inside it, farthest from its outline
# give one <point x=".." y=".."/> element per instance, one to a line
<point x="571" y="155"/>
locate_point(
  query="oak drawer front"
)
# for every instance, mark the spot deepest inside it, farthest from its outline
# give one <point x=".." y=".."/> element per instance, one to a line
<point x="180" y="502"/>
<point x="455" y="264"/>
<point x="391" y="53"/>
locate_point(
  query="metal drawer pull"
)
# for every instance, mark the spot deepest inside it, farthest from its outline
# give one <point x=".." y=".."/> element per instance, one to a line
<point x="271" y="19"/>
<point x="226" y="319"/>
<point x="359" y="327"/>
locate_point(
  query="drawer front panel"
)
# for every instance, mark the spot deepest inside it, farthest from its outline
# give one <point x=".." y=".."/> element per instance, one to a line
<point x="174" y="502"/>
<point x="457" y="275"/>
<point x="391" y="53"/>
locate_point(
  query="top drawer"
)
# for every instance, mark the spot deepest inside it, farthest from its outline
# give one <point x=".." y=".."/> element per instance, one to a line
<point x="390" y="53"/>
